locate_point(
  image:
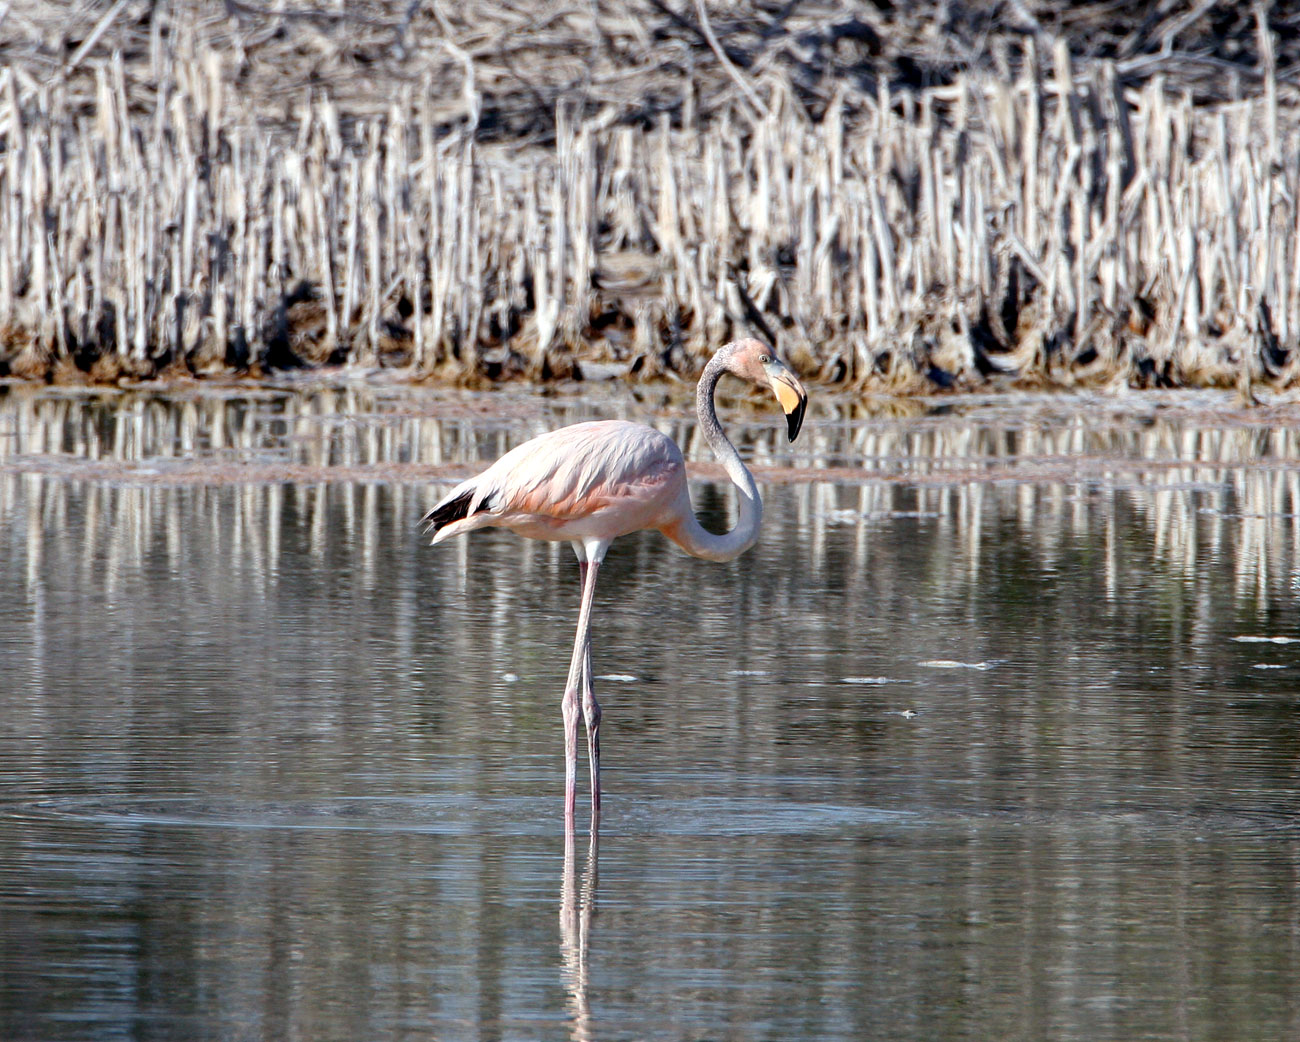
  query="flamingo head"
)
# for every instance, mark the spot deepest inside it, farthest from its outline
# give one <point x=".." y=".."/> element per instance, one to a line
<point x="754" y="361"/>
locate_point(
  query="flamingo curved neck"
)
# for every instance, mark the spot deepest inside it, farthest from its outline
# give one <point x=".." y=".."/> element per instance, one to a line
<point x="690" y="535"/>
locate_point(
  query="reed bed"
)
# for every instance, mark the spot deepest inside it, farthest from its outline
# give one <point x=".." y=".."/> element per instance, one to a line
<point x="172" y="208"/>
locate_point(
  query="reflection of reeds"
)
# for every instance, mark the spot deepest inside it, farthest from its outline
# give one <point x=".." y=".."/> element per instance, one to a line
<point x="1054" y="224"/>
<point x="354" y="464"/>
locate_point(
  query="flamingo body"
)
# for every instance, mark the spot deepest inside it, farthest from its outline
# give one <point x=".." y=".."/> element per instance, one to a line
<point x="589" y="482"/>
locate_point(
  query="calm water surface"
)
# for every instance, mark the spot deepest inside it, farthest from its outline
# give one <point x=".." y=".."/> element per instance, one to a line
<point x="995" y="735"/>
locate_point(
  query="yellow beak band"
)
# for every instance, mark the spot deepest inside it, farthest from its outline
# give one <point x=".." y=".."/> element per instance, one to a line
<point x="790" y="394"/>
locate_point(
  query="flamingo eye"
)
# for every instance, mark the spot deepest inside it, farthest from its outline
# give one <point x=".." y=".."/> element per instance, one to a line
<point x="765" y="359"/>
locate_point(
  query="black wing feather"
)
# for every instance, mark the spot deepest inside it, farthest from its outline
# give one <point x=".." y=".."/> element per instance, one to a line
<point x="446" y="513"/>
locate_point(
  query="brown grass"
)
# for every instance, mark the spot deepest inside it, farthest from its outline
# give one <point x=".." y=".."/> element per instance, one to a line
<point x="616" y="187"/>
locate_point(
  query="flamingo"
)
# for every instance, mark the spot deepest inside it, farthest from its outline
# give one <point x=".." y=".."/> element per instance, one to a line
<point x="589" y="483"/>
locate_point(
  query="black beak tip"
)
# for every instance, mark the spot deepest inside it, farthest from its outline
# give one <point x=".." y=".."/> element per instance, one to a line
<point x="794" y="420"/>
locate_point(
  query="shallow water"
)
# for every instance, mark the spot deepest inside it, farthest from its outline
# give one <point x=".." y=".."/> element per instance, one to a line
<point x="996" y="734"/>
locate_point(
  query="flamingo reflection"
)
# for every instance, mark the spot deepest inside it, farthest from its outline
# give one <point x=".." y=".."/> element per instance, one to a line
<point x="576" y="907"/>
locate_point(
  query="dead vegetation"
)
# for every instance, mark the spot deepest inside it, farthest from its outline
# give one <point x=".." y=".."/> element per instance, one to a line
<point x="902" y="197"/>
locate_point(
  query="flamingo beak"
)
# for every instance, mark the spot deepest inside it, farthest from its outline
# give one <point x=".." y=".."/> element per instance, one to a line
<point x="790" y="394"/>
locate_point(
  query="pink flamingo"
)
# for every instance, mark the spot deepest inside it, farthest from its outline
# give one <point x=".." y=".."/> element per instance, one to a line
<point x="592" y="482"/>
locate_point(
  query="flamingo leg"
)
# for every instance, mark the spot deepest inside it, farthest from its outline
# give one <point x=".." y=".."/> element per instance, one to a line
<point x="591" y="712"/>
<point x="579" y="685"/>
